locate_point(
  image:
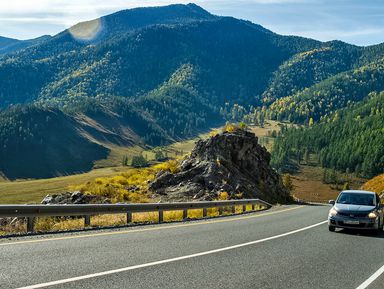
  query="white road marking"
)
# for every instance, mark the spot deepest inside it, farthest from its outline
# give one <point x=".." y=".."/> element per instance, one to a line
<point x="371" y="279"/>
<point x="79" y="278"/>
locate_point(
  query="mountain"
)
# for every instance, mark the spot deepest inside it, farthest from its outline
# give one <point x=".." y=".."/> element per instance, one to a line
<point x="9" y="45"/>
<point x="234" y="60"/>
<point x="150" y="76"/>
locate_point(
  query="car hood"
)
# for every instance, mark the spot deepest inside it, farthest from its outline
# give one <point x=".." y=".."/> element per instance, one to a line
<point x="353" y="208"/>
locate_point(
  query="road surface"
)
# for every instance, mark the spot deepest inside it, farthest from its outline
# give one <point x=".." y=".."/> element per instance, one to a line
<point x="286" y="247"/>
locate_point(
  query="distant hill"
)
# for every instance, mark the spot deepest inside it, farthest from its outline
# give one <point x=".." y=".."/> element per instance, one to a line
<point x="9" y="45"/>
<point x="4" y="42"/>
<point x="39" y="143"/>
<point x="150" y="76"/>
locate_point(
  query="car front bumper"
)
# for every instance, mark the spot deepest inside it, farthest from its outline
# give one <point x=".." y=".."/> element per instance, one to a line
<point x="353" y="223"/>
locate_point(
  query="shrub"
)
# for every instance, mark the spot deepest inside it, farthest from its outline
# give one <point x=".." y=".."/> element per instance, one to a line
<point x="229" y="127"/>
<point x="139" y="162"/>
<point x="223" y="196"/>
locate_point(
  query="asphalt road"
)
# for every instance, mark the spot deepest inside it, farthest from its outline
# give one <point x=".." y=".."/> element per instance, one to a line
<point x="288" y="247"/>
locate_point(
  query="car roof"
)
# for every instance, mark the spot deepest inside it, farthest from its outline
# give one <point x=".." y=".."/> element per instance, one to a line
<point x="358" y="192"/>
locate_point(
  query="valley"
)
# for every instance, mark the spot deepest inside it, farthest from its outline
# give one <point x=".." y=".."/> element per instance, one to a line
<point x="308" y="182"/>
<point x="33" y="191"/>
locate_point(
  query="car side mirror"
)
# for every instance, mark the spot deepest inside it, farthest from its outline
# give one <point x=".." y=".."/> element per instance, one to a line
<point x="331" y="202"/>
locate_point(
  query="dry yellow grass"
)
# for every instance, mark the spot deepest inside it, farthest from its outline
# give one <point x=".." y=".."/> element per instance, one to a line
<point x="119" y="188"/>
<point x="33" y="191"/>
<point x="375" y="185"/>
<point x="309" y="186"/>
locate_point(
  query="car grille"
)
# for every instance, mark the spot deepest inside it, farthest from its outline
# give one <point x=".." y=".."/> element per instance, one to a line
<point x="353" y="215"/>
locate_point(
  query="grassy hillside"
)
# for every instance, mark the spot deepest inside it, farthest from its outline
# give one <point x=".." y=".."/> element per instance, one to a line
<point x="375" y="185"/>
<point x="33" y="191"/>
<point x="43" y="143"/>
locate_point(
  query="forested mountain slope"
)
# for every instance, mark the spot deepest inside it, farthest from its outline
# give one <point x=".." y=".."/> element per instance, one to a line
<point x="235" y="60"/>
<point x="150" y="76"/>
<point x="349" y="140"/>
<point x="331" y="94"/>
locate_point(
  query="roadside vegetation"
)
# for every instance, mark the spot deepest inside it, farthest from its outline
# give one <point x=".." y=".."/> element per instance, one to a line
<point x="130" y="186"/>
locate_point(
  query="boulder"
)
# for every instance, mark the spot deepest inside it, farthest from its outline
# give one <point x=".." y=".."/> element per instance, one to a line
<point x="74" y="198"/>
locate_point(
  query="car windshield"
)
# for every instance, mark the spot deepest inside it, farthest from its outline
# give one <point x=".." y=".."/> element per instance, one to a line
<point x="356" y="199"/>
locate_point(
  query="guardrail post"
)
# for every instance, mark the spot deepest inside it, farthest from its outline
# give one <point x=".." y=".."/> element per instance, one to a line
<point x="87" y="221"/>
<point x="220" y="211"/>
<point x="30" y="224"/>
<point x="204" y="212"/>
<point x="129" y="217"/>
<point x="185" y="214"/>
<point x="233" y="209"/>
<point x="161" y="216"/>
<point x="244" y="208"/>
<point x="253" y="207"/>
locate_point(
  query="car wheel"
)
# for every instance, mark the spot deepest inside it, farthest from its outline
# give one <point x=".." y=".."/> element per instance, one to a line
<point x="331" y="228"/>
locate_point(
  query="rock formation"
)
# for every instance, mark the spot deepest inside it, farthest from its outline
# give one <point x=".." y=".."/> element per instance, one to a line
<point x="231" y="162"/>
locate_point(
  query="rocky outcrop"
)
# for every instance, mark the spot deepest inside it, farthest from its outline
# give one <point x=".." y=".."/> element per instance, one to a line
<point x="74" y="198"/>
<point x="231" y="162"/>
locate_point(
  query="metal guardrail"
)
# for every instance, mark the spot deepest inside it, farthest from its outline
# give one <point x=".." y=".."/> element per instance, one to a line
<point x="33" y="211"/>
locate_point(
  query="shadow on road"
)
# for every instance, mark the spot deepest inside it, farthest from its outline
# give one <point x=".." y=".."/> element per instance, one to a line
<point x="370" y="234"/>
<point x="311" y="204"/>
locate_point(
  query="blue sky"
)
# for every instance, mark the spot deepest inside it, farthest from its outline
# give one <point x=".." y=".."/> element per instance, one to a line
<point x="359" y="22"/>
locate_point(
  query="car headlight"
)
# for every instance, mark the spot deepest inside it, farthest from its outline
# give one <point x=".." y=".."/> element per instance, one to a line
<point x="333" y="212"/>
<point x="372" y="215"/>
